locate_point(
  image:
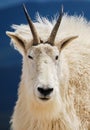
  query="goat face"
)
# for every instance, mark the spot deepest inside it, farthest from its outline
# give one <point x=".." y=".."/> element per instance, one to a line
<point x="43" y="62"/>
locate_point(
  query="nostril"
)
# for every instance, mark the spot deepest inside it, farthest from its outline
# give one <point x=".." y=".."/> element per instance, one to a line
<point x="45" y="91"/>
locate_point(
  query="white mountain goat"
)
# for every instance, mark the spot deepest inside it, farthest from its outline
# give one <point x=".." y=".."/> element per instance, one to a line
<point x="54" y="91"/>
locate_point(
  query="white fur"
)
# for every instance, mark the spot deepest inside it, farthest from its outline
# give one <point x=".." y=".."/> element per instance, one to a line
<point x="69" y="106"/>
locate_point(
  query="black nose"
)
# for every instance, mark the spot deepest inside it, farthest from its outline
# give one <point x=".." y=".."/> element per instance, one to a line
<point x="45" y="91"/>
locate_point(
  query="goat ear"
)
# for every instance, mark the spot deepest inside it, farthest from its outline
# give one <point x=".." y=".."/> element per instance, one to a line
<point x="65" y="41"/>
<point x="17" y="42"/>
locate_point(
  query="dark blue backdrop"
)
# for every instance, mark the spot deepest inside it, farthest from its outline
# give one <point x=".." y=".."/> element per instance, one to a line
<point x="10" y="60"/>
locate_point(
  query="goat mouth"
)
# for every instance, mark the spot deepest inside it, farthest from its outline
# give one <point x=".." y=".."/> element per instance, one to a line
<point x="44" y="98"/>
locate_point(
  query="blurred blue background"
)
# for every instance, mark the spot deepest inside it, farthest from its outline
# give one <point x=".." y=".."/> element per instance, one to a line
<point x="10" y="60"/>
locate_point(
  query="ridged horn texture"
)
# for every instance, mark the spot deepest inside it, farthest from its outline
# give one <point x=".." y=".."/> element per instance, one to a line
<point x="36" y="39"/>
<point x="52" y="36"/>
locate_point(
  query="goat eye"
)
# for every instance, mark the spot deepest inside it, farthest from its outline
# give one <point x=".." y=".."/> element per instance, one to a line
<point x="30" y="57"/>
<point x="56" y="58"/>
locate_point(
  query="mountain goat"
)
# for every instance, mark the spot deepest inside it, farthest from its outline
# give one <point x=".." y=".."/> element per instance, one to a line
<point x="54" y="91"/>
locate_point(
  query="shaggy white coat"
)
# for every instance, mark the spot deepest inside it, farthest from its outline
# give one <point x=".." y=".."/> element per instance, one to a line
<point x="71" y="109"/>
